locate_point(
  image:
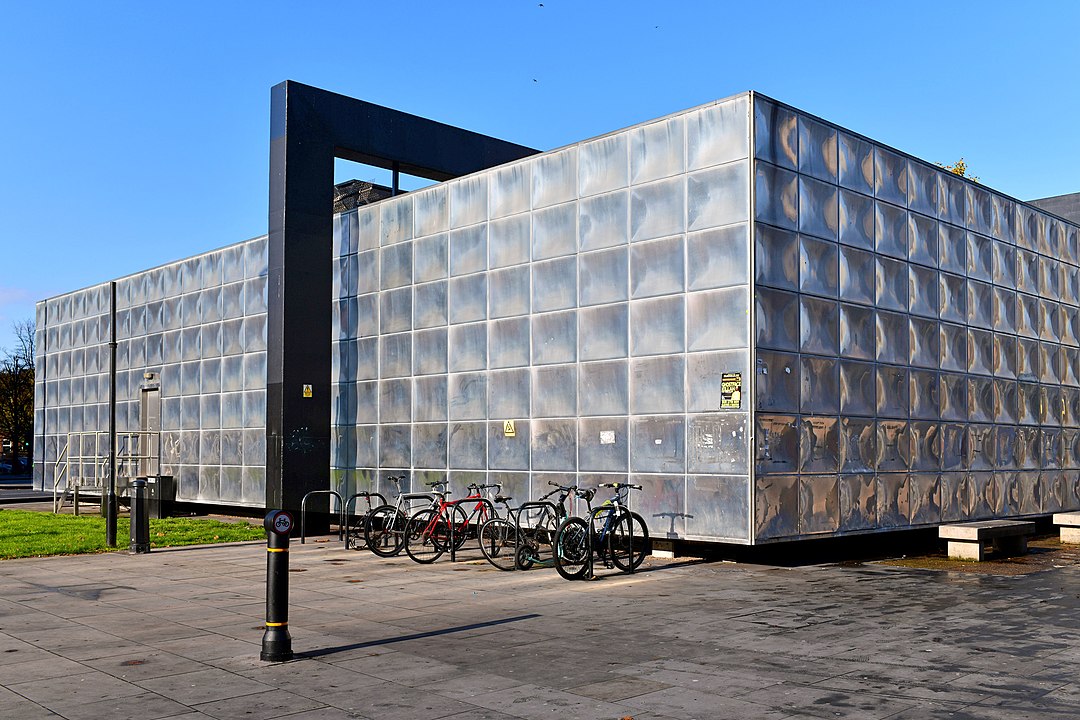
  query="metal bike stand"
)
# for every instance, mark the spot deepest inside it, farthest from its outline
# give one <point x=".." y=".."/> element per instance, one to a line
<point x="589" y="575"/>
<point x="630" y="518"/>
<point x="352" y="499"/>
<point x="522" y="510"/>
<point x="303" y="512"/>
<point x="487" y="503"/>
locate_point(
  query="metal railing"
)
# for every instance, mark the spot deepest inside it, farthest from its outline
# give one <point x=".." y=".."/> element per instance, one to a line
<point x="83" y="463"/>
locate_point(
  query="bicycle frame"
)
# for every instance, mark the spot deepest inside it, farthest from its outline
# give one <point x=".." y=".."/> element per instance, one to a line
<point x="482" y="510"/>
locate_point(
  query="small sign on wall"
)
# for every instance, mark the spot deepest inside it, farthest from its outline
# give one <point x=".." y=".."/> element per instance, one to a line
<point x="307" y="391"/>
<point x="731" y="391"/>
<point x="509" y="428"/>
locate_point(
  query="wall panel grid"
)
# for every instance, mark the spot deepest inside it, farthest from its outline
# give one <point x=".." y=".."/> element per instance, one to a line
<point x="199" y="327"/>
<point x="593" y="295"/>
<point x="916" y="340"/>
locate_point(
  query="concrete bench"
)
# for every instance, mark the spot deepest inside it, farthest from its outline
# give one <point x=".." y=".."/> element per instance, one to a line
<point x="967" y="541"/>
<point x="1070" y="526"/>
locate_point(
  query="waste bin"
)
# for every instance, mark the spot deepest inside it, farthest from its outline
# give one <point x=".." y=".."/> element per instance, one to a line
<point x="161" y="495"/>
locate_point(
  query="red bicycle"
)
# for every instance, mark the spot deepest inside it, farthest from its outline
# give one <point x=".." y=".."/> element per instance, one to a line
<point x="431" y="532"/>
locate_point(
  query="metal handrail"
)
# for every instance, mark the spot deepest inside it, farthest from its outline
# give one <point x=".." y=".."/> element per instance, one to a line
<point x="57" y="474"/>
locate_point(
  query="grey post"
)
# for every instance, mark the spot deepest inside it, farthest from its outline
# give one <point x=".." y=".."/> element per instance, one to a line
<point x="140" y="519"/>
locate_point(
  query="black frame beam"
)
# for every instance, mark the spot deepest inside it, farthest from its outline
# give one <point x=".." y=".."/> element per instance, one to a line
<point x="309" y="128"/>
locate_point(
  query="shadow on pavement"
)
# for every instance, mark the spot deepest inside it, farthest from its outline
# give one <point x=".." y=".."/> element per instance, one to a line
<point x="414" y="636"/>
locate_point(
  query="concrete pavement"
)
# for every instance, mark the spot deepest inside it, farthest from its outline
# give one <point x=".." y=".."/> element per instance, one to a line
<point x="176" y="634"/>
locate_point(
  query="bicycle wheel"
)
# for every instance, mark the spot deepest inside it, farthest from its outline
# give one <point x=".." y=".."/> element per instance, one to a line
<point x="427" y="536"/>
<point x="498" y="542"/>
<point x="572" y="548"/>
<point x="525" y="556"/>
<point x="385" y="531"/>
<point x="628" y="541"/>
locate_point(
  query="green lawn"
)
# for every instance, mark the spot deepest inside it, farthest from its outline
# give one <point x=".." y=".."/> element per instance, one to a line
<point x="33" y="534"/>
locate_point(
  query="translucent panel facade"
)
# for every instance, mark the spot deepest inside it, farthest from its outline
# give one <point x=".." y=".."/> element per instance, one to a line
<point x="915" y="341"/>
<point x="907" y="340"/>
<point x="196" y="331"/>
<point x="594" y="295"/>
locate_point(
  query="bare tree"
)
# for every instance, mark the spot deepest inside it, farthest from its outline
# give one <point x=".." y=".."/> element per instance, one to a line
<point x="17" y="391"/>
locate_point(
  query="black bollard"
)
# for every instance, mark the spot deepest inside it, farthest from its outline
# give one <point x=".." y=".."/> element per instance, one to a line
<point x="140" y="519"/>
<point x="277" y="642"/>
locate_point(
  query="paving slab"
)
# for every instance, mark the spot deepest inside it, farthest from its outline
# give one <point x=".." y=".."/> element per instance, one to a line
<point x="176" y="634"/>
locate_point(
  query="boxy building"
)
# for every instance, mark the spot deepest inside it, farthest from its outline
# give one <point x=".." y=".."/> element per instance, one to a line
<point x="780" y="328"/>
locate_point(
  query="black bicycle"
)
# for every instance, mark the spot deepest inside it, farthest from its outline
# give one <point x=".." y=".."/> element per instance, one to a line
<point x="610" y="533"/>
<point x="537" y="523"/>
<point x="514" y="542"/>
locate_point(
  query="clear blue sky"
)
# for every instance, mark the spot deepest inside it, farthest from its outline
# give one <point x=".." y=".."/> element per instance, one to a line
<point x="135" y="133"/>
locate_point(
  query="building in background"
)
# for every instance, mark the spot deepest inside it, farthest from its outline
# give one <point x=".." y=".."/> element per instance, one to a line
<point x="778" y="327"/>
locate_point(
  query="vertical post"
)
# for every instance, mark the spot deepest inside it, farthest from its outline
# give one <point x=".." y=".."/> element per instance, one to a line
<point x="395" y="179"/>
<point x="277" y="642"/>
<point x="110" y="498"/>
<point x="140" y="519"/>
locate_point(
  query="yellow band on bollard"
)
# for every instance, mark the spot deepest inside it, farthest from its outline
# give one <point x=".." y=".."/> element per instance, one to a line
<point x="276" y="550"/>
<point x="270" y="624"/>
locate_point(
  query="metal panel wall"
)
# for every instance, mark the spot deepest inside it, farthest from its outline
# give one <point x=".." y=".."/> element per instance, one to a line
<point x="916" y="340"/>
<point x="199" y="325"/>
<point x="594" y="295"/>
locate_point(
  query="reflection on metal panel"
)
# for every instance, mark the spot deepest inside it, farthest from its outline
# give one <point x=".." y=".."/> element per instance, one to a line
<point x="776" y="506"/>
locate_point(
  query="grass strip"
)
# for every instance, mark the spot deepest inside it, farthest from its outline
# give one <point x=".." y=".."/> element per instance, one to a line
<point x="37" y="534"/>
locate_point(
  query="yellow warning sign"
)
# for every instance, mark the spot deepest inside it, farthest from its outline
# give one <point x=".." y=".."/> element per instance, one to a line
<point x="307" y="391"/>
<point x="731" y="390"/>
<point x="509" y="429"/>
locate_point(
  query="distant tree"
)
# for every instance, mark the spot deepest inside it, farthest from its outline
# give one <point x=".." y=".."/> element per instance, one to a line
<point x="960" y="168"/>
<point x="17" y="391"/>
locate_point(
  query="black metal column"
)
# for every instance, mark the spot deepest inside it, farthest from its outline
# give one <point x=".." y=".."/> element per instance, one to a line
<point x="110" y="497"/>
<point x="308" y="129"/>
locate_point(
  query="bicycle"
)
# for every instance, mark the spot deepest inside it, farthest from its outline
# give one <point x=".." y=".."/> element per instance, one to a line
<point x="431" y="532"/>
<point x="502" y="539"/>
<point x="622" y="540"/>
<point x="356" y="525"/>
<point x="385" y="529"/>
<point x="540" y="531"/>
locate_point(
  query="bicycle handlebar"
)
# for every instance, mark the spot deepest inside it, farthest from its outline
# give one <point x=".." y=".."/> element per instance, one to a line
<point x="619" y="486"/>
<point x="567" y="489"/>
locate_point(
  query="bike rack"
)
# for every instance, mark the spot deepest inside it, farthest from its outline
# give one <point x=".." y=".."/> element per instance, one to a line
<point x="483" y="500"/>
<point x="303" y="513"/>
<point x="522" y="509"/>
<point x="352" y="499"/>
